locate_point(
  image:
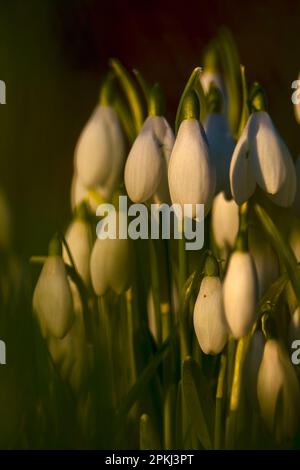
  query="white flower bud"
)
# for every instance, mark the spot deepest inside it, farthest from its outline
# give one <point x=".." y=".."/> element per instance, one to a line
<point x="240" y="293"/>
<point x="52" y="299"/>
<point x="209" y="320"/>
<point x="111" y="261"/>
<point x="146" y="166"/>
<point x="266" y="153"/>
<point x="278" y="391"/>
<point x="265" y="260"/>
<point x="242" y="180"/>
<point x="192" y="176"/>
<point x="225" y="221"/>
<point x="221" y="146"/>
<point x="78" y="238"/>
<point x="100" y="151"/>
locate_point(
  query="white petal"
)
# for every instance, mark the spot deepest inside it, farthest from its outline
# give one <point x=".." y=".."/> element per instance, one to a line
<point x="191" y="172"/>
<point x="144" y="167"/>
<point x="78" y="237"/>
<point x="276" y="376"/>
<point x="100" y="151"/>
<point x="52" y="299"/>
<point x="111" y="261"/>
<point x="225" y="221"/>
<point x="209" y="320"/>
<point x="286" y="195"/>
<point x="266" y="153"/>
<point x="240" y="293"/>
<point x="242" y="181"/>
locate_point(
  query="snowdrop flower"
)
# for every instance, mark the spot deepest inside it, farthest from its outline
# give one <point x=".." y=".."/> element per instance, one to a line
<point x="147" y="162"/>
<point x="52" y="298"/>
<point x="240" y="288"/>
<point x="225" y="222"/>
<point x="100" y="151"/>
<point x="79" y="240"/>
<point x="209" y="320"/>
<point x="278" y="391"/>
<point x="111" y="260"/>
<point x="220" y="140"/>
<point x="265" y="260"/>
<point x="240" y="293"/>
<point x="192" y="176"/>
<point x="262" y="158"/>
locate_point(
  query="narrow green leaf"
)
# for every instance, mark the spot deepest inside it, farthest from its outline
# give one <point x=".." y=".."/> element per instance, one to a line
<point x="147" y="374"/>
<point x="281" y="247"/>
<point x="131" y="92"/>
<point x="193" y="83"/>
<point x="198" y="402"/>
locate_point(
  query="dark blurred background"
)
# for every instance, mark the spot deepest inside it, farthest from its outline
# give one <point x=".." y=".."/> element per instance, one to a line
<point x="53" y="54"/>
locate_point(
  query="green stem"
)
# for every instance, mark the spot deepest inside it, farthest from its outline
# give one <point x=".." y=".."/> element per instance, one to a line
<point x="219" y="403"/>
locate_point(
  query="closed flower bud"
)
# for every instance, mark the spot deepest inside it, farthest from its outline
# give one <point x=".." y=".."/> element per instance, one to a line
<point x="146" y="166"/>
<point x="79" y="240"/>
<point x="278" y="391"/>
<point x="221" y="146"/>
<point x="209" y="320"/>
<point x="265" y="260"/>
<point x="192" y="176"/>
<point x="240" y="293"/>
<point x="52" y="298"/>
<point x="225" y="221"/>
<point x="100" y="151"/>
<point x="111" y="261"/>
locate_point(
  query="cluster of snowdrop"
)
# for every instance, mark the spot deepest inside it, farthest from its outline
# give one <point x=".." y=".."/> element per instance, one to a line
<point x="203" y="161"/>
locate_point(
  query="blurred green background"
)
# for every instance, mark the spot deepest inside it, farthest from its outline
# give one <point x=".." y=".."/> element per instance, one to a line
<point x="53" y="54"/>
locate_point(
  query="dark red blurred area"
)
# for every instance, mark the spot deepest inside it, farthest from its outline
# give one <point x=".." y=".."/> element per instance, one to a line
<point x="53" y="54"/>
